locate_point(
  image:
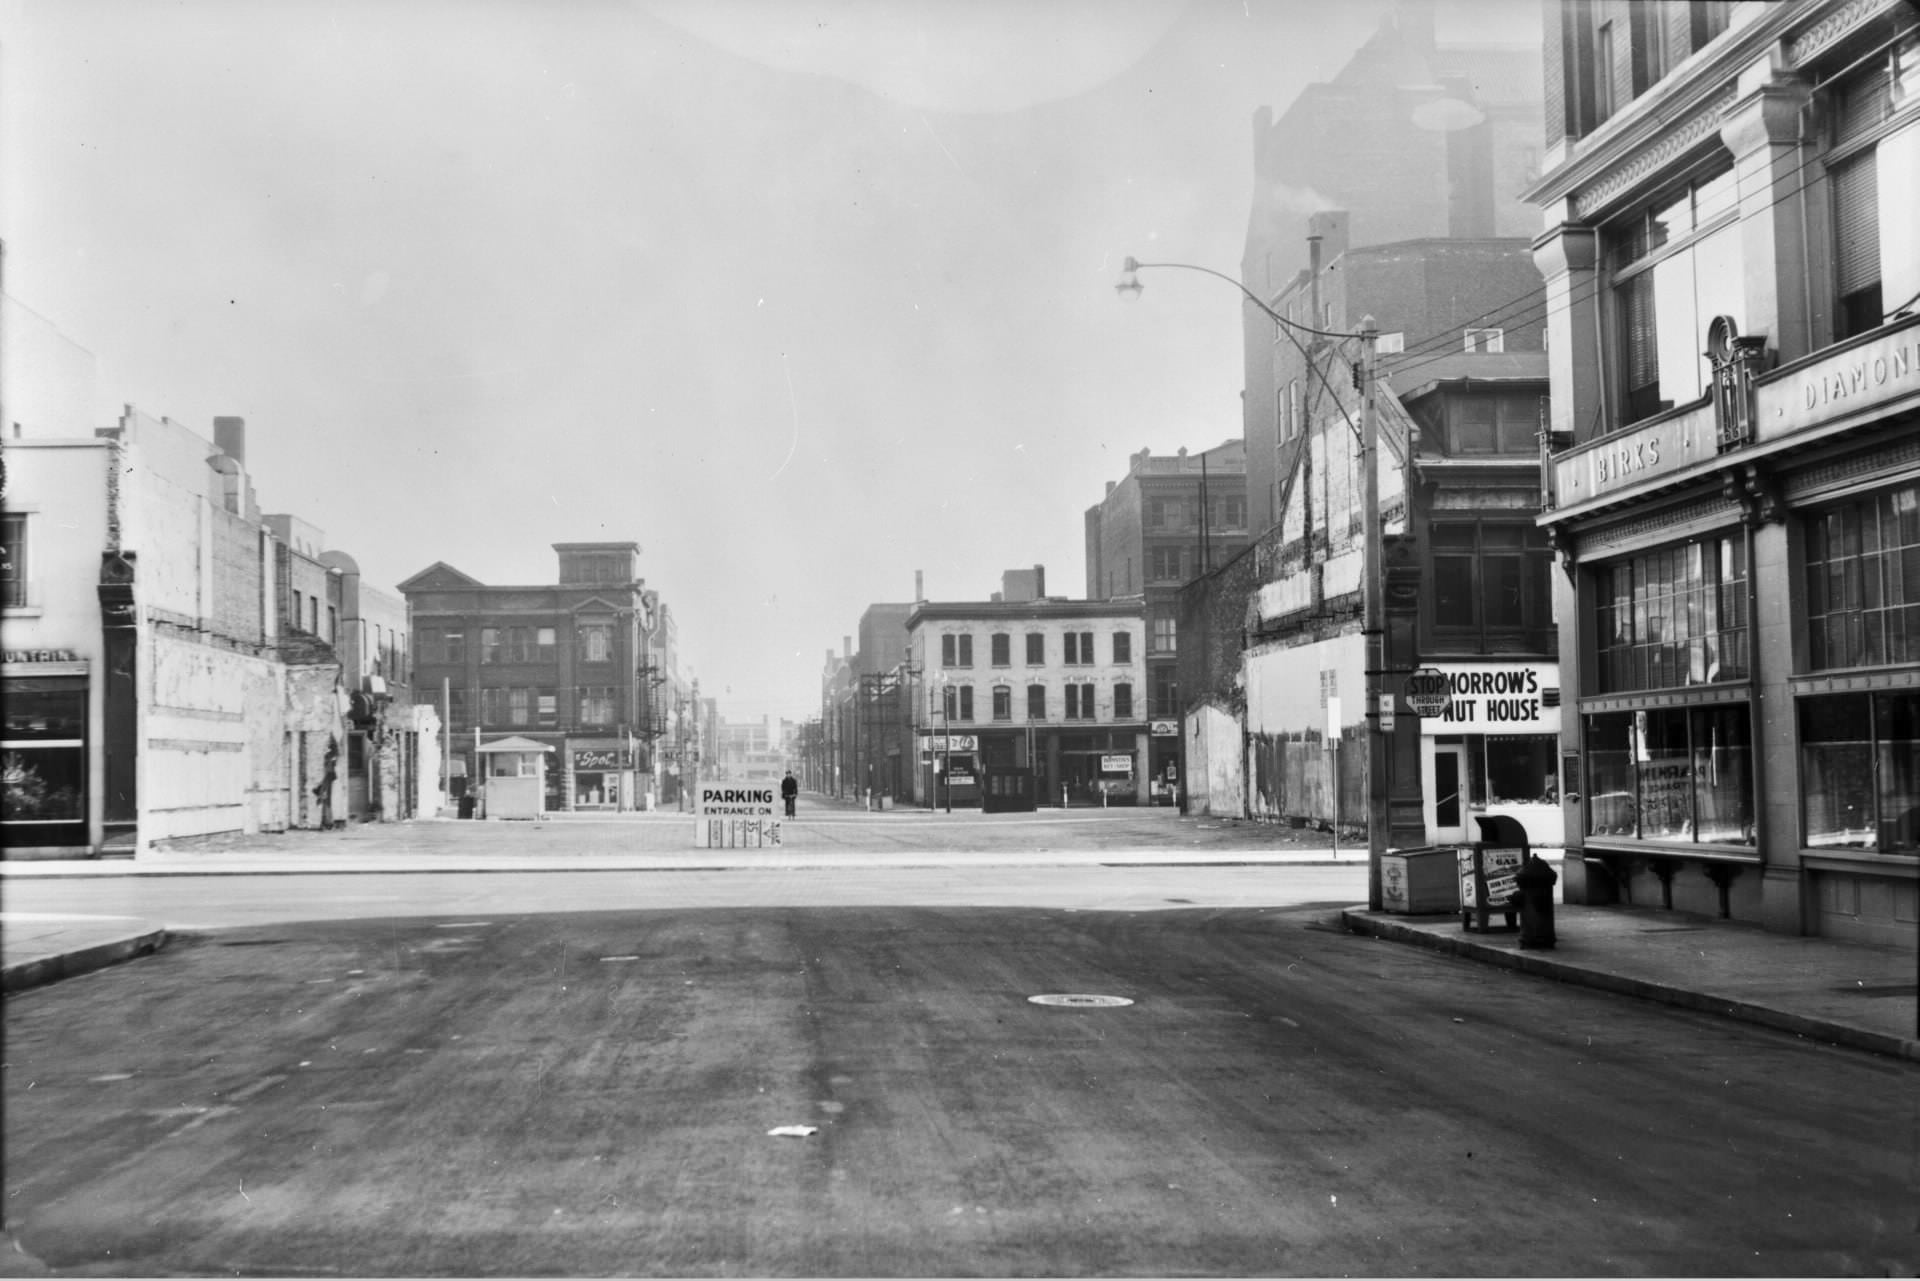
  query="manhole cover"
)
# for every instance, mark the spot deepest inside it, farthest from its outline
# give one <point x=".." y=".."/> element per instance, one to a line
<point x="1078" y="998"/>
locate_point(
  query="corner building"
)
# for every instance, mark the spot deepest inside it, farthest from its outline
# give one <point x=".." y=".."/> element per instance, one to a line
<point x="565" y="665"/>
<point x="1050" y="686"/>
<point x="1732" y="261"/>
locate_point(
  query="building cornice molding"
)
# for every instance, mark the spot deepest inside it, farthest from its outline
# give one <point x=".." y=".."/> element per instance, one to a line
<point x="1613" y="158"/>
<point x="1590" y="199"/>
<point x="1822" y="35"/>
<point x="1616" y="141"/>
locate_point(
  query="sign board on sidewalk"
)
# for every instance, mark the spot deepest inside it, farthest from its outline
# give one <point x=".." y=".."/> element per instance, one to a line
<point x="735" y="817"/>
<point x="719" y="801"/>
<point x="1502" y="866"/>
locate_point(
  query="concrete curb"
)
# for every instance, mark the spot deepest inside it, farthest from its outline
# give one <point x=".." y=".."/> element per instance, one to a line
<point x="620" y="863"/>
<point x="41" y="970"/>
<point x="1544" y="964"/>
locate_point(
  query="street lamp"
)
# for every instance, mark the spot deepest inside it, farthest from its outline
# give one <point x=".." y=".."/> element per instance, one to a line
<point x="1373" y="625"/>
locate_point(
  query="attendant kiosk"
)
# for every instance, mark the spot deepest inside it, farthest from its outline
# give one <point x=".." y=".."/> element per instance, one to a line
<point x="515" y="773"/>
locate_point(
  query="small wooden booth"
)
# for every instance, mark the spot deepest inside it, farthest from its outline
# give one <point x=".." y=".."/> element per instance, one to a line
<point x="514" y="776"/>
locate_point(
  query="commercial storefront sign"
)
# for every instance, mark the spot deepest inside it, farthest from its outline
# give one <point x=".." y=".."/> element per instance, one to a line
<point x="596" y="758"/>
<point x="16" y="657"/>
<point x="1497" y="698"/>
<point x="1164" y="729"/>
<point x="1116" y="765"/>
<point x="1862" y="378"/>
<point x="951" y="743"/>
<point x="1625" y="459"/>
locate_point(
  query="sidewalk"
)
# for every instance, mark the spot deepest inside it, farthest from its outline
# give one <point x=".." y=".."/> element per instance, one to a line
<point x="1851" y="994"/>
<point x="41" y="947"/>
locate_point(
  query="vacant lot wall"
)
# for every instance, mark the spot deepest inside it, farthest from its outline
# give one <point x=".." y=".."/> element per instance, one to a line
<point x="212" y="731"/>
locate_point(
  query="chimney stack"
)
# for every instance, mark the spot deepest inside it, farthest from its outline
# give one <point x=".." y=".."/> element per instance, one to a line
<point x="919" y="586"/>
<point x="230" y="438"/>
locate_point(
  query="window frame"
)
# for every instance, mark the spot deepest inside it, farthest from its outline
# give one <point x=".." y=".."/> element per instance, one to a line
<point x="1535" y="583"/>
<point x="1631" y="258"/>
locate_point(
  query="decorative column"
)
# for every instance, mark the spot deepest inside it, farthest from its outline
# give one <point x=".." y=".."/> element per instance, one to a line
<point x="1567" y="255"/>
<point x="1779" y="214"/>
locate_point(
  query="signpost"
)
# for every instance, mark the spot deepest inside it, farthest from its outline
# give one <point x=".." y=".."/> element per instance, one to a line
<point x="1429" y="692"/>
<point x="735" y="817"/>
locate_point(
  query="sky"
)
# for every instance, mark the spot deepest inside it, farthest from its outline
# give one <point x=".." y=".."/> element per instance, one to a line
<point x="803" y="296"/>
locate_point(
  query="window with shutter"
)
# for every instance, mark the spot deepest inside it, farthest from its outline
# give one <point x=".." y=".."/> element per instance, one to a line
<point x="1640" y="341"/>
<point x="1856" y="223"/>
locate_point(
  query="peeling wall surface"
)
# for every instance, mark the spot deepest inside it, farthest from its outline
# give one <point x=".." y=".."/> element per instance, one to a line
<point x="424" y="723"/>
<point x="1293" y="774"/>
<point x="211" y="732"/>
<point x="312" y="719"/>
<point x="1213" y="763"/>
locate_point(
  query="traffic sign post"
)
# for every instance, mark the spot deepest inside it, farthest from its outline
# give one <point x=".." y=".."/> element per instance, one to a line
<point x="1429" y="692"/>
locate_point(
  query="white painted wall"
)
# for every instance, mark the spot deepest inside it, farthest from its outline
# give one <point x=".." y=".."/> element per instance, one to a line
<point x="1215" y="770"/>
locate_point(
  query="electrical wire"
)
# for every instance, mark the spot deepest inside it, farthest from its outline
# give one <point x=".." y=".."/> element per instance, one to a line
<point x="1533" y="307"/>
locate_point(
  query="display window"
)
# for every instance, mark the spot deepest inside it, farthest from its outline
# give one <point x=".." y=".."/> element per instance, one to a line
<point x="43" y="762"/>
<point x="1671" y="774"/>
<point x="1860" y="771"/>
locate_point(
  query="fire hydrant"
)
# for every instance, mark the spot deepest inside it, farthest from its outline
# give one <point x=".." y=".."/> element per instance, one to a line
<point x="1535" y="881"/>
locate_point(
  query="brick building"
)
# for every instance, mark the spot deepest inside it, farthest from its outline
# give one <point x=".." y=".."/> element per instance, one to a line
<point x="564" y="665"/>
<point x="1419" y="141"/>
<point x="1053" y="686"/>
<point x="1172" y="518"/>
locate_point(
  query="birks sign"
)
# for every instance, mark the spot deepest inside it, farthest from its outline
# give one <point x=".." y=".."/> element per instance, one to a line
<point x="1494" y="698"/>
<point x="736" y="802"/>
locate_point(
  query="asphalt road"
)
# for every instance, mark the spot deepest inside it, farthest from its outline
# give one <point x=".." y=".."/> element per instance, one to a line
<point x="576" y="1093"/>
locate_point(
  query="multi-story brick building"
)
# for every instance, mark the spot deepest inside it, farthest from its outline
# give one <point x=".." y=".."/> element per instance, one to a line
<point x="1171" y="519"/>
<point x="1053" y="686"/>
<point x="1419" y="141"/>
<point x="563" y="665"/>
<point x="1732" y="261"/>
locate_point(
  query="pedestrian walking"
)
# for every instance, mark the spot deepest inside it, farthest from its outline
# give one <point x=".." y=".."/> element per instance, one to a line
<point x="789" y="791"/>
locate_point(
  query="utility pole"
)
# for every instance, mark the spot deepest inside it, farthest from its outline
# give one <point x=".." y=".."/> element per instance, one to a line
<point x="1379" y="716"/>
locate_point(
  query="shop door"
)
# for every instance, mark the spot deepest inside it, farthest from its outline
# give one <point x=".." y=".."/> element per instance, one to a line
<point x="359" y="793"/>
<point x="1447" y="822"/>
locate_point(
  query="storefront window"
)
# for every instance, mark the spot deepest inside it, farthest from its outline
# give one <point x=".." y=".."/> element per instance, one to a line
<point x="1863" y="582"/>
<point x="1671" y="774"/>
<point x="1860" y="771"/>
<point x="43" y="759"/>
<point x="1674" y="616"/>
<point x="1521" y="769"/>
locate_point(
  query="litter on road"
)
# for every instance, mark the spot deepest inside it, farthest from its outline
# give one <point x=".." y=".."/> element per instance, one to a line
<point x="792" y="1131"/>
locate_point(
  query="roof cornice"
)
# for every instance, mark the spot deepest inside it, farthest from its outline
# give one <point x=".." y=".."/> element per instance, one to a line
<point x="1669" y="121"/>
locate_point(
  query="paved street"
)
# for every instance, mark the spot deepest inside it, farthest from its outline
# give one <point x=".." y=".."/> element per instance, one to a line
<point x="576" y="1072"/>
